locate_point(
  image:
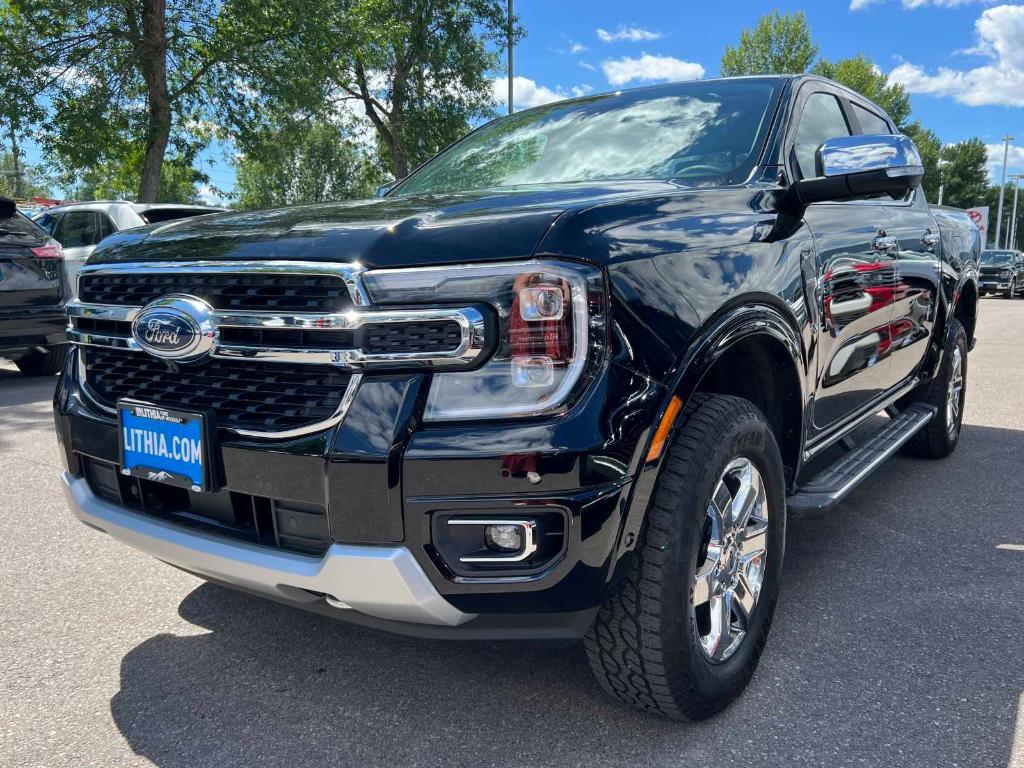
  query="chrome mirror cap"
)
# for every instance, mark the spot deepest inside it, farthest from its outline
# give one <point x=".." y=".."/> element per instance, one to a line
<point x="892" y="155"/>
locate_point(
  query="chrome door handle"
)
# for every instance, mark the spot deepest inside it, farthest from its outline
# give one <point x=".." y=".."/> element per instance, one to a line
<point x="930" y="240"/>
<point x="885" y="243"/>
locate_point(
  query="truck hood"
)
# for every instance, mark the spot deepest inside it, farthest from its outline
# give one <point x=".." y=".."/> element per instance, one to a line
<point x="398" y="231"/>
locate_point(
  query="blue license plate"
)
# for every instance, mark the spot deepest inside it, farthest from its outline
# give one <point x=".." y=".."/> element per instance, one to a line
<point x="164" y="445"/>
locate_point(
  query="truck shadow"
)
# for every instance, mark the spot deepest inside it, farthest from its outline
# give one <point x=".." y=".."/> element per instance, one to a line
<point x="897" y="633"/>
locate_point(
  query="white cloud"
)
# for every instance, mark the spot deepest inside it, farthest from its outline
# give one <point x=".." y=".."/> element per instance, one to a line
<point x="632" y="34"/>
<point x="1000" y="35"/>
<point x="587" y="65"/>
<point x="581" y="90"/>
<point x="911" y="5"/>
<point x="1014" y="160"/>
<point x="525" y="92"/>
<point x="578" y="48"/>
<point x="647" y="68"/>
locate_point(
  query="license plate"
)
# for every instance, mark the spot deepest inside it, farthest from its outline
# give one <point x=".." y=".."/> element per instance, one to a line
<point x="164" y="445"/>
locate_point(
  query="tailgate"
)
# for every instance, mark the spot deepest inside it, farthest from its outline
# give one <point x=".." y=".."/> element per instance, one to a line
<point x="27" y="280"/>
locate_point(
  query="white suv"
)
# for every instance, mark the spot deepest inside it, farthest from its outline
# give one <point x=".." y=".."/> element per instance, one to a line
<point x="79" y="227"/>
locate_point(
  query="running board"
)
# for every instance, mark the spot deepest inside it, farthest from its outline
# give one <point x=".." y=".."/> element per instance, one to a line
<point x="832" y="484"/>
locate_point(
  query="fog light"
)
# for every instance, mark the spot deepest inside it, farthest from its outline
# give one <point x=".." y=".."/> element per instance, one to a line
<point x="503" y="538"/>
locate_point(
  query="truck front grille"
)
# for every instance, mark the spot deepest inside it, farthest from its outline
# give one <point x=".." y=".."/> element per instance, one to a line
<point x="246" y="395"/>
<point x="234" y="290"/>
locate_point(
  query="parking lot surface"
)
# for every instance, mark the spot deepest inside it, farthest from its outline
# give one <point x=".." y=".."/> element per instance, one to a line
<point x="898" y="641"/>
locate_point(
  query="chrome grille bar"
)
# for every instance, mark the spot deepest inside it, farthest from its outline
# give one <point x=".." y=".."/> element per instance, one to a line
<point x="470" y="320"/>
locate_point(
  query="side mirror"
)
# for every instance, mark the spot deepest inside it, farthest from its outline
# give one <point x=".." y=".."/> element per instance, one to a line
<point x="852" y="167"/>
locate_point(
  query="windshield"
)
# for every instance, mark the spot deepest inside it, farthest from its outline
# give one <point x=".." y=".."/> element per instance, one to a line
<point x="697" y="133"/>
<point x="996" y="257"/>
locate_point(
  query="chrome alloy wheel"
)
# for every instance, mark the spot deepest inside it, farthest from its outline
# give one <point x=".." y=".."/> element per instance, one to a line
<point x="955" y="394"/>
<point x="731" y="563"/>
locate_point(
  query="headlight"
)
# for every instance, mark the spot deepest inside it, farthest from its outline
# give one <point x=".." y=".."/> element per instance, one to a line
<point x="1005" y="273"/>
<point x="550" y="333"/>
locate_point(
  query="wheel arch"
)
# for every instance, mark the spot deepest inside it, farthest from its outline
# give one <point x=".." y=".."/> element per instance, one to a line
<point x="761" y="330"/>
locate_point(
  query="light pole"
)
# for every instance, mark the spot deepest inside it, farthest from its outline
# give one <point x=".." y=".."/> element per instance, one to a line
<point x="1012" y="240"/>
<point x="1002" y="185"/>
<point x="510" y="17"/>
<point x="942" y="186"/>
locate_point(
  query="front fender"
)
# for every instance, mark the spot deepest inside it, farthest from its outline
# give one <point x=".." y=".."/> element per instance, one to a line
<point x="757" y="316"/>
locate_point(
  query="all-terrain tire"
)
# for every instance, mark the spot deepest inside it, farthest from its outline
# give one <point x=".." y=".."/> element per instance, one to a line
<point x="644" y="646"/>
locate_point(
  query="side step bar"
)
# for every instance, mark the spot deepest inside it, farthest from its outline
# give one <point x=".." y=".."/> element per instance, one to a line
<point x="832" y="484"/>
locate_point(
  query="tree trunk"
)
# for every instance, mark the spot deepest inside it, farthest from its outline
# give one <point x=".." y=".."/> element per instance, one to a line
<point x="152" y="61"/>
<point x="19" y="182"/>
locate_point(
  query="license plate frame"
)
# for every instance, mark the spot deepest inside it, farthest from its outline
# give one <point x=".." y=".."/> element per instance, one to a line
<point x="176" y="451"/>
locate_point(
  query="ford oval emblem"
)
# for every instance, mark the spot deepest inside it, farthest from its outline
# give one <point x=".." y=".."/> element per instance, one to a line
<point x="175" y="328"/>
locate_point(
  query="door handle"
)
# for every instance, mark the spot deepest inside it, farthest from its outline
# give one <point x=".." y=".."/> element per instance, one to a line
<point x="930" y="240"/>
<point x="885" y="244"/>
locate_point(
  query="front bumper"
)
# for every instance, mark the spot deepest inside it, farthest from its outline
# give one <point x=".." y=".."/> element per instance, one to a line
<point x="381" y="481"/>
<point x="383" y="582"/>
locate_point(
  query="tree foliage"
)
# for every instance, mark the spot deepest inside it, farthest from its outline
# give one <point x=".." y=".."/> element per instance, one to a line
<point x="306" y="164"/>
<point x="964" y="173"/>
<point x="991" y="199"/>
<point x="33" y="182"/>
<point x="861" y="74"/>
<point x="930" y="147"/>
<point x="778" y="44"/>
<point x="420" y="70"/>
<point x="121" y="74"/>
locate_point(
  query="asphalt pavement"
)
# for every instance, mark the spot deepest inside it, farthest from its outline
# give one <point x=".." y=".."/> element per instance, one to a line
<point x="898" y="641"/>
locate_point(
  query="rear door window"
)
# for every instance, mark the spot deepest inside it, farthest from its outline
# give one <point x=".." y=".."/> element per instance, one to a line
<point x="78" y="229"/>
<point x="870" y="123"/>
<point x="106" y="226"/>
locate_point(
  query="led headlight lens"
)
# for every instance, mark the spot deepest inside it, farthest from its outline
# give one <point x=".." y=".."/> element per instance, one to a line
<point x="550" y="332"/>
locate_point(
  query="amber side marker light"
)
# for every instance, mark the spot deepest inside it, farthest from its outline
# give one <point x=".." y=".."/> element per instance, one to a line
<point x="675" y="405"/>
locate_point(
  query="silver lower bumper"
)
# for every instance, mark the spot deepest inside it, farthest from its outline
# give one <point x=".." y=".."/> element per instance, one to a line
<point x="385" y="582"/>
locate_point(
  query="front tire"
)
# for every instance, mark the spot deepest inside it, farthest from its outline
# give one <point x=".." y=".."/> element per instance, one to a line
<point x="1008" y="293"/>
<point x="683" y="635"/>
<point x="947" y="392"/>
<point x="42" y="363"/>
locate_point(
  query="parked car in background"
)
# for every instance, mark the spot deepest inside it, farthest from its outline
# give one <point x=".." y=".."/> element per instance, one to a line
<point x="564" y="381"/>
<point x="1001" y="271"/>
<point x="32" y="294"/>
<point x="79" y="227"/>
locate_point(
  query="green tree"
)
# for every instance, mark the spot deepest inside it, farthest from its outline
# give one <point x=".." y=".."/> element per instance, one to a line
<point x="20" y="180"/>
<point x="117" y="178"/>
<point x="930" y="147"/>
<point x="306" y="164"/>
<point x="122" y="72"/>
<point x="778" y="44"/>
<point x="421" y="70"/>
<point x="861" y="74"/>
<point x="991" y="199"/>
<point x="965" y="174"/>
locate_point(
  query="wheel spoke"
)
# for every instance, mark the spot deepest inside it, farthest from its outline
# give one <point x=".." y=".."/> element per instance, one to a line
<point x="704" y="581"/>
<point x="755" y="541"/>
<point x="747" y="496"/>
<point x="718" y="510"/>
<point x="716" y="641"/>
<point x="743" y="600"/>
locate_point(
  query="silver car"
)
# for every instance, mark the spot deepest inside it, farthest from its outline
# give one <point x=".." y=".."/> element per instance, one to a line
<point x="79" y="227"/>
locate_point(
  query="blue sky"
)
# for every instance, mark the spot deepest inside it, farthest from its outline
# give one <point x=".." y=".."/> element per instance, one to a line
<point x="962" y="60"/>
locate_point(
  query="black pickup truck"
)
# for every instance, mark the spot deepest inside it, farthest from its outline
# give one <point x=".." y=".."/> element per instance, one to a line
<point x="564" y="381"/>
